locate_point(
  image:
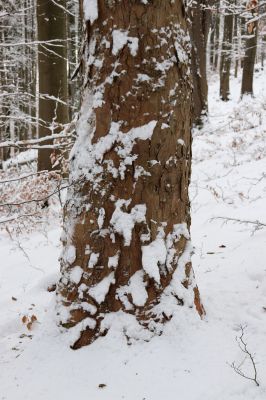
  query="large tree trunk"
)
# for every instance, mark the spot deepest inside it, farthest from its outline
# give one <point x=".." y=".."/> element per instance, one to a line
<point x="126" y="248"/>
<point x="52" y="64"/>
<point x="200" y="17"/>
<point x="250" y="52"/>
<point x="226" y="56"/>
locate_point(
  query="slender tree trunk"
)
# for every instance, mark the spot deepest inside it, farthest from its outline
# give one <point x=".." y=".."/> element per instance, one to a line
<point x="199" y="29"/>
<point x="52" y="64"/>
<point x="226" y="56"/>
<point x="126" y="249"/>
<point x="250" y="52"/>
<point x="217" y="36"/>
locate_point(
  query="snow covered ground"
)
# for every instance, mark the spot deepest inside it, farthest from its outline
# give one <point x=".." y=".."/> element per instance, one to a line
<point x="191" y="361"/>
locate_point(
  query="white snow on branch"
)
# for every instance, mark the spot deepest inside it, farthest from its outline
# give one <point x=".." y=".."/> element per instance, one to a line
<point x="99" y="291"/>
<point x="121" y="39"/>
<point x="90" y="8"/>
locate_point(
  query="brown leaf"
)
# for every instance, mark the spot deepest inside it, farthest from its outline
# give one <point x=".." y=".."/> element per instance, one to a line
<point x="33" y="318"/>
<point x="24" y="319"/>
<point x="51" y="288"/>
<point x="29" y="325"/>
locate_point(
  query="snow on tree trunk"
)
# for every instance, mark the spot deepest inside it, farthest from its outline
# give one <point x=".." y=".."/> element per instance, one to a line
<point x="126" y="245"/>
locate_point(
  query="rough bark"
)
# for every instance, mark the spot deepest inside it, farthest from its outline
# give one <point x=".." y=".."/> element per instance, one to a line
<point x="226" y="56"/>
<point x="52" y="65"/>
<point x="130" y="171"/>
<point x="200" y="21"/>
<point x="251" y="49"/>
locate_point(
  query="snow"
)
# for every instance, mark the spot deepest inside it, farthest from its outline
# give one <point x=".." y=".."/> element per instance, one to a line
<point x="76" y="274"/>
<point x="70" y="254"/>
<point x="93" y="259"/>
<point x="154" y="255"/>
<point x="136" y="288"/>
<point x="90" y="8"/>
<point x="191" y="359"/>
<point x="113" y="261"/>
<point x="81" y="163"/>
<point x="99" y="291"/>
<point x="121" y="38"/>
<point x="124" y="222"/>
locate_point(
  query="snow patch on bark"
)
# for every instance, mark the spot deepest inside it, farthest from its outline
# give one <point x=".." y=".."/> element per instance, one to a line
<point x="93" y="259"/>
<point x="120" y="325"/>
<point x="124" y="222"/>
<point x="113" y="261"/>
<point x="87" y="157"/>
<point x="90" y="8"/>
<point x="76" y="274"/>
<point x="154" y="255"/>
<point x="121" y="39"/>
<point x="136" y="288"/>
<point x="69" y="254"/>
<point x="99" y="291"/>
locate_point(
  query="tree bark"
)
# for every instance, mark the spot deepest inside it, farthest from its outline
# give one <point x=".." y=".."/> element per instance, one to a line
<point x="126" y="248"/>
<point x="250" y="52"/>
<point x="226" y="56"/>
<point x="52" y="64"/>
<point x="200" y="18"/>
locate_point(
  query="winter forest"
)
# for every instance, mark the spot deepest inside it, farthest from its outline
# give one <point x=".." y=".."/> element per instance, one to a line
<point x="132" y="199"/>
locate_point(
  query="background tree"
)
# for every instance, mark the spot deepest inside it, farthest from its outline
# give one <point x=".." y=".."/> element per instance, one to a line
<point x="126" y="229"/>
<point x="251" y="47"/>
<point x="200" y="22"/>
<point x="53" y="72"/>
<point x="226" y="53"/>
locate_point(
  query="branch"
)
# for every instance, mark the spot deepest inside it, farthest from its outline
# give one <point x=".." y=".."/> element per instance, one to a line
<point x="258" y="225"/>
<point x="243" y="347"/>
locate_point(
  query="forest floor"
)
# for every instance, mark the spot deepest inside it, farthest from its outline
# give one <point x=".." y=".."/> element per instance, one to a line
<point x="191" y="361"/>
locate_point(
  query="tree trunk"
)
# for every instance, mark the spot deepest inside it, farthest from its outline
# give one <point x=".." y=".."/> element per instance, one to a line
<point x="199" y="28"/>
<point x="126" y="248"/>
<point x="226" y="56"/>
<point x="52" y="64"/>
<point x="250" y="52"/>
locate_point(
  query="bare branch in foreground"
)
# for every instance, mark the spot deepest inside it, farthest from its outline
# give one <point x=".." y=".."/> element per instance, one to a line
<point x="238" y="368"/>
<point x="257" y="224"/>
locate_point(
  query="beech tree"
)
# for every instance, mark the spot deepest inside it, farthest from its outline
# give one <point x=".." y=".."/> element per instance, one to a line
<point x="200" y="22"/>
<point x="226" y="56"/>
<point x="126" y="244"/>
<point x="53" y="75"/>
<point x="251" y="47"/>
